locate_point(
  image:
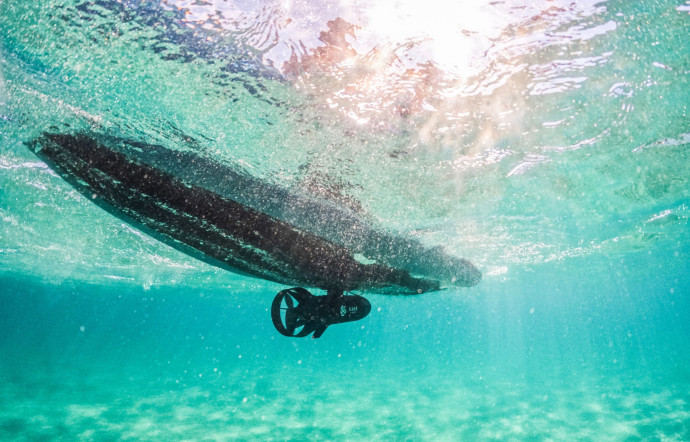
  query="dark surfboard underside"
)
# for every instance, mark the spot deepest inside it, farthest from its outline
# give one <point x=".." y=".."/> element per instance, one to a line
<point x="181" y="211"/>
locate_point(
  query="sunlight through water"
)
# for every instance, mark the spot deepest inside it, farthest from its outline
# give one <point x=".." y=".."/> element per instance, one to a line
<point x="547" y="142"/>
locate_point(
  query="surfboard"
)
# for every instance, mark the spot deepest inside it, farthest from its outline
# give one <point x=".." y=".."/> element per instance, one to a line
<point x="225" y="217"/>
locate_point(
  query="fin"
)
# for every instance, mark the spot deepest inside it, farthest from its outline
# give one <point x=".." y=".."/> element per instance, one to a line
<point x="319" y="331"/>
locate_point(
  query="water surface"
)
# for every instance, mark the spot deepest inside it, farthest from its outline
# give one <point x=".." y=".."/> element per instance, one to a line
<point x="547" y="142"/>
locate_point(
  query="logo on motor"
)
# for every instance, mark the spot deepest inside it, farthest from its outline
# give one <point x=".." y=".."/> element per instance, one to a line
<point x="345" y="310"/>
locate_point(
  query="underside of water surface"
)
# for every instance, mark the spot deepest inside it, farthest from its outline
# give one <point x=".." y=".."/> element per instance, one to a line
<point x="545" y="142"/>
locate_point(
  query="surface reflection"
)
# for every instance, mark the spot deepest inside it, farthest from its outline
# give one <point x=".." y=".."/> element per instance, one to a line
<point x="507" y="131"/>
<point x="458" y="77"/>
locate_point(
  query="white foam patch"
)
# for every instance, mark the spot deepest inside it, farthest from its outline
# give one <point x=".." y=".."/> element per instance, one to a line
<point x="681" y="140"/>
<point x="495" y="271"/>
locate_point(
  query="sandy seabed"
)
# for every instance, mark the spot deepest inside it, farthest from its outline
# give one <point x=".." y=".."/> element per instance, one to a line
<point x="76" y="404"/>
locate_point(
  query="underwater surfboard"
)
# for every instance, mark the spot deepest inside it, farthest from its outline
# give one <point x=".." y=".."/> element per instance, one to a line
<point x="240" y="223"/>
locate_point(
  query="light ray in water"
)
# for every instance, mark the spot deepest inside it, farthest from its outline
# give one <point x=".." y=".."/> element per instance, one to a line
<point x="546" y="142"/>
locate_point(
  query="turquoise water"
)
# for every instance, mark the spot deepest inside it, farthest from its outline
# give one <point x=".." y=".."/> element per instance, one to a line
<point x="546" y="142"/>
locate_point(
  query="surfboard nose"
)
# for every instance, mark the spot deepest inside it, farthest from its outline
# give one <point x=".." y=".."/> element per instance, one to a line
<point x="465" y="274"/>
<point x="474" y="277"/>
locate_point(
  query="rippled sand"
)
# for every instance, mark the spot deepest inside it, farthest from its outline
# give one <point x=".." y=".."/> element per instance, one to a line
<point x="98" y="406"/>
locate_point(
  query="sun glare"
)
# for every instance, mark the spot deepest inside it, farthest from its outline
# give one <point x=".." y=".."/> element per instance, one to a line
<point x="371" y="61"/>
<point x="454" y="33"/>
